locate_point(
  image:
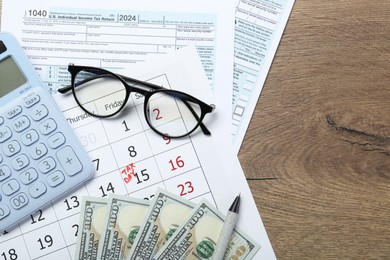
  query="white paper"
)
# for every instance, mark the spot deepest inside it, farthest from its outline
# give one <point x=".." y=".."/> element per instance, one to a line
<point x="51" y="233"/>
<point x="259" y="27"/>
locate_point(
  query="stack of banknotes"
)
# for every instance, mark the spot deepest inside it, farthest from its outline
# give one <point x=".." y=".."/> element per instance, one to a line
<point x="167" y="227"/>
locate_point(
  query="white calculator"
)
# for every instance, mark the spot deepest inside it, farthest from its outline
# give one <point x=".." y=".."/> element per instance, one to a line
<point x="41" y="159"/>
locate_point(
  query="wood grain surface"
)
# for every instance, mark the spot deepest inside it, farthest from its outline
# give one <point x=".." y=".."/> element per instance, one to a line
<point x="319" y="141"/>
<point x="317" y="151"/>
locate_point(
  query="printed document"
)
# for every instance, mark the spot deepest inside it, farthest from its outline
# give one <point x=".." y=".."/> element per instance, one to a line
<point x="259" y="25"/>
<point x="122" y="34"/>
<point x="55" y="33"/>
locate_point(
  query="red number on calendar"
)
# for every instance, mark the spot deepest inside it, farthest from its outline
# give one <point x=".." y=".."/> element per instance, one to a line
<point x="167" y="140"/>
<point x="157" y="111"/>
<point x="185" y="188"/>
<point x="178" y="163"/>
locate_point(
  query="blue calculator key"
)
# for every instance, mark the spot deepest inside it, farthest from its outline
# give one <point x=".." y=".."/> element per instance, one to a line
<point x="10" y="187"/>
<point x="5" y="134"/>
<point x="20" y="162"/>
<point x="1" y="120"/>
<point x="28" y="176"/>
<point x="47" y="165"/>
<point x="37" y="189"/>
<point x="1" y="158"/>
<point x="11" y="148"/>
<point x="56" y="140"/>
<point x="69" y="161"/>
<point x="55" y="178"/>
<point x="4" y="211"/>
<point x="47" y="126"/>
<point x="19" y="200"/>
<point x="14" y="112"/>
<point x="30" y="137"/>
<point x="5" y="172"/>
<point x="21" y="123"/>
<point x="38" y="151"/>
<point x="39" y="112"/>
<point x="32" y="100"/>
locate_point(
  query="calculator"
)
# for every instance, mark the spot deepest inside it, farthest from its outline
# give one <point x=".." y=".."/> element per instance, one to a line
<point x="41" y="159"/>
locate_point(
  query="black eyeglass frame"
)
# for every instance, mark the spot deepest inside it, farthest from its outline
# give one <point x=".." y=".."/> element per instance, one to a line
<point x="148" y="90"/>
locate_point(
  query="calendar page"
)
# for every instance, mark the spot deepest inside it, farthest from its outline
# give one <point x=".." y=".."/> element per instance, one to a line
<point x="188" y="167"/>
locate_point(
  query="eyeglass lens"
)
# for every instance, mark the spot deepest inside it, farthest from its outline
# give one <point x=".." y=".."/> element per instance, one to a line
<point x="173" y="115"/>
<point x="168" y="112"/>
<point x="99" y="93"/>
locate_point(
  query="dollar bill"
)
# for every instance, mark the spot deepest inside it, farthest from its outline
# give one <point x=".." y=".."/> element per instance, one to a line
<point x="122" y="223"/>
<point x="166" y="213"/>
<point x="197" y="238"/>
<point x="92" y="215"/>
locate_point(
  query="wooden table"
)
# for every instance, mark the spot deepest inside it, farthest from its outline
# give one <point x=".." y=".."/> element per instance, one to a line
<point x="317" y="152"/>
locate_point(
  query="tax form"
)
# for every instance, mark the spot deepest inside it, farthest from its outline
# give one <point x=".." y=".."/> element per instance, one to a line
<point x="259" y="25"/>
<point x="121" y="34"/>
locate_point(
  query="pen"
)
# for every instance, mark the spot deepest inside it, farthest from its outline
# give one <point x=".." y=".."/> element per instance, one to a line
<point x="227" y="229"/>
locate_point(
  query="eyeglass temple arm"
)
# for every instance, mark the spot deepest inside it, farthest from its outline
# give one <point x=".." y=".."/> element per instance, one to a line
<point x="66" y="89"/>
<point x="201" y="125"/>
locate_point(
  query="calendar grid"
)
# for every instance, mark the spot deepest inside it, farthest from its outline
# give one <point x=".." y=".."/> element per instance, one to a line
<point x="62" y="233"/>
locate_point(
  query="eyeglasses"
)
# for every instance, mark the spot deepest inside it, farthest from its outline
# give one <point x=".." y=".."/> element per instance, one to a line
<point x="102" y="93"/>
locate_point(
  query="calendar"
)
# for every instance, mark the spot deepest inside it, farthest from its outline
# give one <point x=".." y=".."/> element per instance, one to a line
<point x="129" y="159"/>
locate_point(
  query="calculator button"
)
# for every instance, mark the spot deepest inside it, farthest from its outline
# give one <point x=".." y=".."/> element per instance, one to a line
<point x="48" y="126"/>
<point x="30" y="137"/>
<point x="38" y="151"/>
<point x="69" y="161"/>
<point x="1" y="158"/>
<point x="4" y="211"/>
<point x="56" y="140"/>
<point x="21" y="123"/>
<point x="39" y="112"/>
<point x="20" y="162"/>
<point x="1" y="120"/>
<point x="14" y="111"/>
<point x="19" y="200"/>
<point x="29" y="102"/>
<point x="5" y="172"/>
<point x="55" y="178"/>
<point x="10" y="187"/>
<point x="37" y="189"/>
<point x="5" y="133"/>
<point x="28" y="176"/>
<point x="11" y="148"/>
<point x="47" y="165"/>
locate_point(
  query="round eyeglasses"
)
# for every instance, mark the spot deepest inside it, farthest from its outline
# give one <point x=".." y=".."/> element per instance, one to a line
<point x="168" y="112"/>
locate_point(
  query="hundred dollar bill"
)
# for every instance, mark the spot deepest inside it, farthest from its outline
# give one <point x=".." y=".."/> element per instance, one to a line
<point x="92" y="215"/>
<point x="165" y="215"/>
<point x="197" y="238"/>
<point x="122" y="223"/>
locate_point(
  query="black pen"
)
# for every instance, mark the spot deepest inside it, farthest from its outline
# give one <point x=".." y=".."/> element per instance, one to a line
<point x="227" y="229"/>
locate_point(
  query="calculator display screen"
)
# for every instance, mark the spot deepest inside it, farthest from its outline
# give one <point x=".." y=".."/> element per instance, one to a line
<point x="10" y="76"/>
